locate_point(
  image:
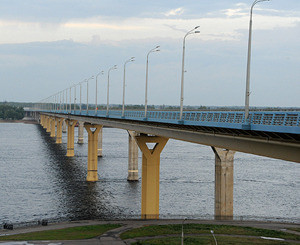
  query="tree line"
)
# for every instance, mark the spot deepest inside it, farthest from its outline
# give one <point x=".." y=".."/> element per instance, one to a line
<point x="8" y="112"/>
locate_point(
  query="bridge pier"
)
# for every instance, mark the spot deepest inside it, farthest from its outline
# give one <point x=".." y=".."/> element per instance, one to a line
<point x="42" y="121"/>
<point x="80" y="133"/>
<point x="52" y="127"/>
<point x="100" y="136"/>
<point x="70" y="144"/>
<point x="92" y="174"/>
<point x="223" y="183"/>
<point x="133" y="170"/>
<point x="48" y="129"/>
<point x="150" y="174"/>
<point x="59" y="122"/>
<point x="64" y="126"/>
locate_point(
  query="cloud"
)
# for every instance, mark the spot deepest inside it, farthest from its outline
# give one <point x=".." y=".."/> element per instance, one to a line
<point x="174" y="12"/>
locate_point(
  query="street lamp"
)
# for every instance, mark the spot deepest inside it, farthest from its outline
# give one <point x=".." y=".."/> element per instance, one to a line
<point x="182" y="235"/>
<point x="212" y="232"/>
<point x="182" y="69"/>
<point x="96" y="97"/>
<point x="66" y="100"/>
<point x="107" y="107"/>
<point x="248" y="62"/>
<point x="80" y="86"/>
<point x="74" y="97"/>
<point x="87" y="94"/>
<point x="123" y="105"/>
<point x="156" y="49"/>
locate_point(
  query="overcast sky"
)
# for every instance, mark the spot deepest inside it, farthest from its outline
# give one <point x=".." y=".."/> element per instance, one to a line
<point x="48" y="45"/>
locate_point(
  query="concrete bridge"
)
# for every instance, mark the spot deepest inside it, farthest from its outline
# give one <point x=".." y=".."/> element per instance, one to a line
<point x="274" y="134"/>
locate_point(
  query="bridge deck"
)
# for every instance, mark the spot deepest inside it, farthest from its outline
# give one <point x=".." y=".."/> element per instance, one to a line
<point x="266" y="121"/>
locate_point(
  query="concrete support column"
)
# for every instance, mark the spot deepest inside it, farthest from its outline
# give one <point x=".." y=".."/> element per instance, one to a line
<point x="42" y="120"/>
<point x="92" y="174"/>
<point x="64" y="126"/>
<point x="80" y="133"/>
<point x="223" y="183"/>
<point x="59" y="122"/>
<point x="70" y="144"/>
<point x="100" y="137"/>
<point x="48" y="129"/>
<point x="133" y="154"/>
<point x="150" y="174"/>
<point x="52" y="127"/>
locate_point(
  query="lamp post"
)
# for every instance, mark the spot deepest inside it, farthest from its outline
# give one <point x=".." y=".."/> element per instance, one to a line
<point x="87" y="94"/>
<point x="248" y="62"/>
<point x="182" y="69"/>
<point x="74" y="97"/>
<point x="66" y="100"/>
<point x="156" y="49"/>
<point x="107" y="107"/>
<point x="96" y="97"/>
<point x="212" y="232"/>
<point x="182" y="235"/>
<point x="123" y="104"/>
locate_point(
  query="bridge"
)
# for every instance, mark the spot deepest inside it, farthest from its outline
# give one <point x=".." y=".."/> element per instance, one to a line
<point x="274" y="134"/>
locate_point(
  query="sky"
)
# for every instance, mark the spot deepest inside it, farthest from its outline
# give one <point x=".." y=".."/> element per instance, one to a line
<point x="47" y="46"/>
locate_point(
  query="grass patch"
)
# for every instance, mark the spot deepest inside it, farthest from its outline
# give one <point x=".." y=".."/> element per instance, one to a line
<point x="157" y="230"/>
<point x="73" y="233"/>
<point x="207" y="240"/>
<point x="294" y="229"/>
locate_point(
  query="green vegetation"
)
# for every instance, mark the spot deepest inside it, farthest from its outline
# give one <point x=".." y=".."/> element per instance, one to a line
<point x="294" y="229"/>
<point x="11" y="112"/>
<point x="209" y="240"/>
<point x="205" y="229"/>
<point x="73" y="233"/>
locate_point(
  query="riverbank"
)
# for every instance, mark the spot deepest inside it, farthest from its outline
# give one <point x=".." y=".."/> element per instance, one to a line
<point x="113" y="236"/>
<point x="24" y="120"/>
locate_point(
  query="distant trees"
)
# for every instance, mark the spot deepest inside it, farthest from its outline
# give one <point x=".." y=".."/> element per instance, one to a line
<point x="11" y="112"/>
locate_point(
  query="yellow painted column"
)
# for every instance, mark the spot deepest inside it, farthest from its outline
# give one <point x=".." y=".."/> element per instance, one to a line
<point x="70" y="144"/>
<point x="48" y="124"/>
<point x="223" y="183"/>
<point x="150" y="174"/>
<point x="52" y="127"/>
<point x="42" y="120"/>
<point x="133" y="154"/>
<point x="92" y="173"/>
<point x="59" y="122"/>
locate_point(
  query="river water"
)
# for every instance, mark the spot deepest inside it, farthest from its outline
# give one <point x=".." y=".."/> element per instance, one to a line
<point x="38" y="182"/>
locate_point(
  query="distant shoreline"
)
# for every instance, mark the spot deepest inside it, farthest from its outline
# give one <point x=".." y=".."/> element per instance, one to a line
<point x="19" y="121"/>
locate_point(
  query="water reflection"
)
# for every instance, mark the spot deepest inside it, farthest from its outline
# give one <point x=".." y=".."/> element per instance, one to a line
<point x="79" y="199"/>
<point x="38" y="181"/>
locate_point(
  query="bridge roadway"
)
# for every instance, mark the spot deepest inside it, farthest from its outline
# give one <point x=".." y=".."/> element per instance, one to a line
<point x="270" y="134"/>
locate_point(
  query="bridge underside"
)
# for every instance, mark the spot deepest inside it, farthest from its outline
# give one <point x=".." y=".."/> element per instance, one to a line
<point x="275" y="145"/>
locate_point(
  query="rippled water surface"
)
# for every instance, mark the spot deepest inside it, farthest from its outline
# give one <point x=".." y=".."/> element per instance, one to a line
<point x="38" y="182"/>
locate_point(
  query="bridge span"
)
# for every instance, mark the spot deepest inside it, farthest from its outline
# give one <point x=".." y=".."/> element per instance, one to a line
<point x="271" y="134"/>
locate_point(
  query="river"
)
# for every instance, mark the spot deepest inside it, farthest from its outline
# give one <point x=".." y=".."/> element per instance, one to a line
<point x="39" y="182"/>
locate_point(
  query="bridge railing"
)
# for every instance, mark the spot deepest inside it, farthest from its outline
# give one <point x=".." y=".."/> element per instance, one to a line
<point x="273" y="121"/>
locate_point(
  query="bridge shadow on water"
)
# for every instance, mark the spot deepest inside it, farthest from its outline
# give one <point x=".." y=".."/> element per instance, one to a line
<point x="78" y="199"/>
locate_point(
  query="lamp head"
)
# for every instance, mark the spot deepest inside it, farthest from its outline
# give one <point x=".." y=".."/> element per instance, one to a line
<point x="197" y="31"/>
<point x="199" y="26"/>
